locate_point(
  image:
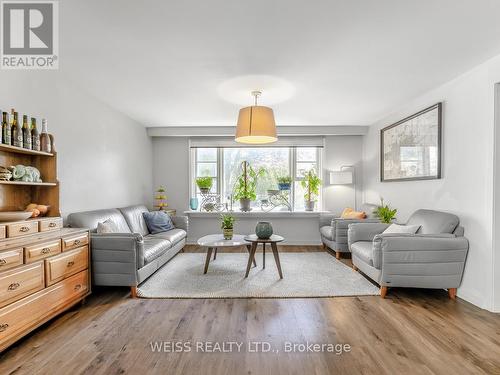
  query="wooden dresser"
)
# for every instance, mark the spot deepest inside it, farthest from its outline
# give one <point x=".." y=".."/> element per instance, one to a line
<point x="44" y="268"/>
<point x="41" y="274"/>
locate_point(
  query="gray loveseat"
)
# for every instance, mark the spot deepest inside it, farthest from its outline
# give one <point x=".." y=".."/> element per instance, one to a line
<point x="131" y="256"/>
<point x="434" y="257"/>
<point x="333" y="229"/>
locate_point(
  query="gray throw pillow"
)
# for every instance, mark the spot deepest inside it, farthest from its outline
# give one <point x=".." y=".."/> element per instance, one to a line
<point x="396" y="228"/>
<point x="158" y="221"/>
<point x="107" y="226"/>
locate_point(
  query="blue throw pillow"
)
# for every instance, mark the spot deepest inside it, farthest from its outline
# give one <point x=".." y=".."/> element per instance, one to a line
<point x="158" y="221"/>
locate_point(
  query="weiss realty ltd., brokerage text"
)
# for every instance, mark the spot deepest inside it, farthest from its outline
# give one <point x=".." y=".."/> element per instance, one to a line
<point x="247" y="346"/>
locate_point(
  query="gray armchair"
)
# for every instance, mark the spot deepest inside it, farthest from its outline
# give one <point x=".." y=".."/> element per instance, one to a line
<point x="333" y="229"/>
<point x="434" y="257"/>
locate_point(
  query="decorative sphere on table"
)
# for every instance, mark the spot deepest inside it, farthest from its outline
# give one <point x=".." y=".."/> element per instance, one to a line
<point x="264" y="230"/>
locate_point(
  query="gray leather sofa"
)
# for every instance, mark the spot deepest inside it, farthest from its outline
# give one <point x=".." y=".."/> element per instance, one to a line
<point x="434" y="257"/>
<point x="333" y="229"/>
<point x="131" y="256"/>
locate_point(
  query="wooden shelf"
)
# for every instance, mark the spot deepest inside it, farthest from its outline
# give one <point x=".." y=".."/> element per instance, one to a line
<point x="20" y="150"/>
<point x="28" y="183"/>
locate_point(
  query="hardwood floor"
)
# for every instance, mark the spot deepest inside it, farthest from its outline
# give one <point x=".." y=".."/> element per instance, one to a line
<point x="409" y="332"/>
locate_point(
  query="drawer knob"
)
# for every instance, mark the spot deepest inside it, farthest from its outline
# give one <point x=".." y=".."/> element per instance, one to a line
<point x="3" y="327"/>
<point x="24" y="229"/>
<point x="3" y="261"/>
<point x="46" y="250"/>
<point x="78" y="287"/>
<point x="52" y="225"/>
<point x="14" y="286"/>
<point x="77" y="242"/>
<point x="70" y="263"/>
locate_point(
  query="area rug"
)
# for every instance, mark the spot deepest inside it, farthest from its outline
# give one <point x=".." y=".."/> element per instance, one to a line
<point x="311" y="274"/>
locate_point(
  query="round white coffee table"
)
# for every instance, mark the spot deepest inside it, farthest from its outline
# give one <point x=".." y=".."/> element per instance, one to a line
<point x="213" y="241"/>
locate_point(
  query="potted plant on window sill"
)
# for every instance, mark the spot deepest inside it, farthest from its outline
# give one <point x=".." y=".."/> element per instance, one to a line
<point x="204" y="184"/>
<point x="311" y="183"/>
<point x="227" y="225"/>
<point x="284" y="183"/>
<point x="245" y="189"/>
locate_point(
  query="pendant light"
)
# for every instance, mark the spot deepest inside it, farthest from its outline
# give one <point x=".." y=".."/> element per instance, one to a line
<point x="256" y="124"/>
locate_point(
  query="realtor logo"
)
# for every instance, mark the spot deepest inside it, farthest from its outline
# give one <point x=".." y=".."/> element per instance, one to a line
<point x="29" y="37"/>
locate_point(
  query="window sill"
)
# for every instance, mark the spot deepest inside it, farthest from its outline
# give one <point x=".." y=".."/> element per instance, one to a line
<point x="258" y="213"/>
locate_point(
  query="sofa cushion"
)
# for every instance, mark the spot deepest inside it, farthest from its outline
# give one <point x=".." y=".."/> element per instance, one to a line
<point x="134" y="218"/>
<point x="174" y="235"/>
<point x="433" y="222"/>
<point x="364" y="251"/>
<point x="154" y="248"/>
<point x="327" y="232"/>
<point x="90" y="219"/>
<point x="397" y="228"/>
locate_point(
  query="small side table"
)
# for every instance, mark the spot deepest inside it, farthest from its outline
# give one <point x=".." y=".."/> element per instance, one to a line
<point x="273" y="240"/>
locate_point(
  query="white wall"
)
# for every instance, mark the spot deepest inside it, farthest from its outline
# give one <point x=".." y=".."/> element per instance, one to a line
<point x="466" y="188"/>
<point x="171" y="169"/>
<point x="342" y="151"/>
<point x="104" y="157"/>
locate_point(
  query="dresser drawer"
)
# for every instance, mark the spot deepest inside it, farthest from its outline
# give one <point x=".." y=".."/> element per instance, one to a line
<point x="43" y="250"/>
<point x="3" y="233"/>
<point x="23" y="315"/>
<point x="20" y="281"/>
<point x="10" y="258"/>
<point x="75" y="241"/>
<point x="51" y="224"/>
<point x="22" y="228"/>
<point x="66" y="264"/>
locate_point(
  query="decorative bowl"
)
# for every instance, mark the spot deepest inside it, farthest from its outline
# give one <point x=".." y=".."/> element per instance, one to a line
<point x="14" y="216"/>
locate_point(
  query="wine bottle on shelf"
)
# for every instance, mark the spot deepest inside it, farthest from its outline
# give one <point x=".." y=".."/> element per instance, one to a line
<point x="1" y="124"/>
<point x="5" y="129"/>
<point x="26" y="134"/>
<point x="35" y="136"/>
<point x="45" y="144"/>
<point x="17" y="132"/>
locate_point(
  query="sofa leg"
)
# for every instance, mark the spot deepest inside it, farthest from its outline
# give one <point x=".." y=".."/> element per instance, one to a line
<point x="354" y="268"/>
<point x="337" y="254"/>
<point x="383" y="291"/>
<point x="452" y="292"/>
<point x="133" y="291"/>
<point x="324" y="246"/>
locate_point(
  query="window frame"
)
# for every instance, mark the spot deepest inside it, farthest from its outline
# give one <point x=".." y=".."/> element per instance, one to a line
<point x="292" y="160"/>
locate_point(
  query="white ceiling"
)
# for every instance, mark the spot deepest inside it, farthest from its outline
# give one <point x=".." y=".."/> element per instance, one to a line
<point x="343" y="62"/>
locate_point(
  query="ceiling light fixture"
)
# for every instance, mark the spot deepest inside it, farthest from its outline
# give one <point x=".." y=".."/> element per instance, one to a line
<point x="256" y="124"/>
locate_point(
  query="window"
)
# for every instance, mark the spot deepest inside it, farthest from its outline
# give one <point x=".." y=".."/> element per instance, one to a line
<point x="223" y="164"/>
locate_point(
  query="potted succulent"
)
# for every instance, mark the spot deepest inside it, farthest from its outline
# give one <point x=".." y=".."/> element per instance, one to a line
<point x="204" y="184"/>
<point x="311" y="183"/>
<point x="284" y="182"/>
<point x="245" y="189"/>
<point x="227" y="225"/>
<point x="385" y="213"/>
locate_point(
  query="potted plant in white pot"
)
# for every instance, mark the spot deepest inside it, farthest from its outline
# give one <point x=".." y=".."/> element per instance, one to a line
<point x="245" y="189"/>
<point x="284" y="182"/>
<point x="311" y="183"/>
<point x="227" y="225"/>
<point x="204" y="184"/>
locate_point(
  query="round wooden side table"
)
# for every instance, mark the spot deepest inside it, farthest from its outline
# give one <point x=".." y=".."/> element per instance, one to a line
<point x="273" y="240"/>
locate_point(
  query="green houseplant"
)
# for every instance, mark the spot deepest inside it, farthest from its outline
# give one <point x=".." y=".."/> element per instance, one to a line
<point x="204" y="184"/>
<point x="284" y="182"/>
<point x="245" y="188"/>
<point x="311" y="183"/>
<point x="227" y="225"/>
<point x="385" y="213"/>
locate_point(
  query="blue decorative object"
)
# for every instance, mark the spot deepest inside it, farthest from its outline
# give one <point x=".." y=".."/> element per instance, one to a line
<point x="284" y="186"/>
<point x="264" y="230"/>
<point x="158" y="221"/>
<point x="193" y="204"/>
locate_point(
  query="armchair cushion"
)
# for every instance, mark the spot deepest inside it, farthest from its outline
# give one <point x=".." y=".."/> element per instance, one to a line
<point x="431" y="221"/>
<point x="364" y="251"/>
<point x="397" y="228"/>
<point x="328" y="232"/>
<point x="154" y="248"/>
<point x="364" y="231"/>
